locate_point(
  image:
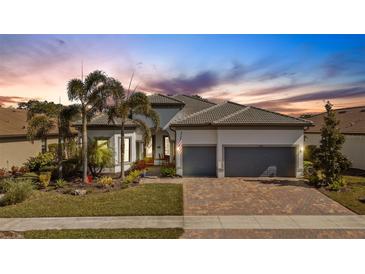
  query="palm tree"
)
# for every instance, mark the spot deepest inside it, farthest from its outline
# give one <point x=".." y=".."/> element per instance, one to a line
<point x="90" y="94"/>
<point x="123" y="106"/>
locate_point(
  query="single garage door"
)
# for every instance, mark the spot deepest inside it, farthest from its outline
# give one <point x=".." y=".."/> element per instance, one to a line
<point x="199" y="161"/>
<point x="260" y="161"/>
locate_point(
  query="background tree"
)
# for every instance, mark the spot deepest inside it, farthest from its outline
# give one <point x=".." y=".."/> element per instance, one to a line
<point x="328" y="157"/>
<point x="122" y="106"/>
<point x="39" y="127"/>
<point x="89" y="93"/>
<point x="45" y="116"/>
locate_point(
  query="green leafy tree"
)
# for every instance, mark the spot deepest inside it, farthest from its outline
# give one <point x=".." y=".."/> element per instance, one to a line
<point x="328" y="157"/>
<point x="45" y="116"/>
<point x="39" y="127"/>
<point x="122" y="106"/>
<point x="89" y="93"/>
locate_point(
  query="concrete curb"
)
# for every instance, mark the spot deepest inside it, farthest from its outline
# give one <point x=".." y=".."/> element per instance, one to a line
<point x="187" y="222"/>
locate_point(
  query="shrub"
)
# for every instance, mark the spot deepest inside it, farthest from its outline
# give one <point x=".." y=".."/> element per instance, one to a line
<point x="168" y="171"/>
<point x="44" y="179"/>
<point x="5" y="184"/>
<point x="308" y="169"/>
<point x="105" y="181"/>
<point x="53" y="148"/>
<point x="32" y="176"/>
<point x="71" y="167"/>
<point x="60" y="183"/>
<point x="3" y="172"/>
<point x="100" y="157"/>
<point x="14" y="170"/>
<point x="40" y="162"/>
<point x="139" y="165"/>
<point x="17" y="191"/>
<point x="132" y="176"/>
<point x="337" y="185"/>
<point x="23" y="170"/>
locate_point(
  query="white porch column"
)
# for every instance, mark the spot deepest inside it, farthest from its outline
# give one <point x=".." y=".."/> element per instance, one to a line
<point x="179" y="152"/>
<point x="220" y="163"/>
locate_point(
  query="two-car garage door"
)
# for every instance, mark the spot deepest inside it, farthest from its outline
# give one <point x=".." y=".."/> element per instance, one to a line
<point x="260" y="161"/>
<point x="240" y="161"/>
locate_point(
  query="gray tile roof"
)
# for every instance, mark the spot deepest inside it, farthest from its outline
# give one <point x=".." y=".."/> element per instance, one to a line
<point x="233" y="114"/>
<point x="102" y="120"/>
<point x="160" y="99"/>
<point x="192" y="104"/>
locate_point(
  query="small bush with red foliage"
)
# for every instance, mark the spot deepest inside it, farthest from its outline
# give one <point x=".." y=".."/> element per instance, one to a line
<point x="23" y="170"/>
<point x="139" y="165"/>
<point x="14" y="170"/>
<point x="3" y="173"/>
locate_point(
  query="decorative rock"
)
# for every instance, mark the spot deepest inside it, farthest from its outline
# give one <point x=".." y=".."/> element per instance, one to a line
<point x="362" y="199"/>
<point x="79" y="192"/>
<point x="1" y="196"/>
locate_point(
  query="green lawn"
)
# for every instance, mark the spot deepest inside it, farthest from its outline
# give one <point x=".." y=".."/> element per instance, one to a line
<point x="349" y="198"/>
<point x="171" y="233"/>
<point x="151" y="199"/>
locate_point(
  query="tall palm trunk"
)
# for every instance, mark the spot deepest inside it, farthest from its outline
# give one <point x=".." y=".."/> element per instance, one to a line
<point x="84" y="147"/>
<point x="122" y="152"/>
<point x="59" y="149"/>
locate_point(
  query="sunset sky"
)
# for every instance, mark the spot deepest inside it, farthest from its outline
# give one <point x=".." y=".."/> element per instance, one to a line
<point x="293" y="74"/>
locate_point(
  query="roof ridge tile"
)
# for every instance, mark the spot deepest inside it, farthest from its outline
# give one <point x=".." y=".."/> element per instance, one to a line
<point x="231" y="115"/>
<point x="199" y="112"/>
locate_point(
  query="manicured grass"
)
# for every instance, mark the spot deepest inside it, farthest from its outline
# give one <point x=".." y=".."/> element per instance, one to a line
<point x="171" y="233"/>
<point x="349" y="198"/>
<point x="151" y="199"/>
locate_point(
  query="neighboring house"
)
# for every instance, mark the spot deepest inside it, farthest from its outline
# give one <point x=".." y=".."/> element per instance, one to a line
<point x="205" y="139"/>
<point x="15" y="147"/>
<point x="352" y="125"/>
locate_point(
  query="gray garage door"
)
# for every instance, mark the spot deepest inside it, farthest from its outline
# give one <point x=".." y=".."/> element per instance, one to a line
<point x="199" y="161"/>
<point x="260" y="161"/>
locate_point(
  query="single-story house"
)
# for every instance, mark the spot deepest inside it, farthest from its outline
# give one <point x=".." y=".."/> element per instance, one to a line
<point x="15" y="147"/>
<point x="207" y="139"/>
<point x="352" y="125"/>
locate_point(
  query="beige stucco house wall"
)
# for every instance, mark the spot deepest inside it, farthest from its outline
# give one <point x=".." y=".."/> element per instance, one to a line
<point x="15" y="151"/>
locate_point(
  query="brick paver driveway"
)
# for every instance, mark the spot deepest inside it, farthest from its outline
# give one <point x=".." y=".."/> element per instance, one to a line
<point x="238" y="196"/>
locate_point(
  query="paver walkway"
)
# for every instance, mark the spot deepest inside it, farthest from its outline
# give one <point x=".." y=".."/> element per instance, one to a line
<point x="257" y="222"/>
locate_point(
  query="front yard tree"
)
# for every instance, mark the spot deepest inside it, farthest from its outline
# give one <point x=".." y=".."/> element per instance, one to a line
<point x="89" y="93"/>
<point x="123" y="106"/>
<point x="44" y="116"/>
<point x="329" y="158"/>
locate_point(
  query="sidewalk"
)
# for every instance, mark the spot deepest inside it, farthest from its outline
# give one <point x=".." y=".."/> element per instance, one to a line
<point x="187" y="222"/>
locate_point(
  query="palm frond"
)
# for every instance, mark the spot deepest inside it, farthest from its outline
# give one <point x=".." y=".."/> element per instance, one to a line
<point x="93" y="80"/>
<point x="149" y="112"/>
<point x="138" y="99"/>
<point x="76" y="90"/>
